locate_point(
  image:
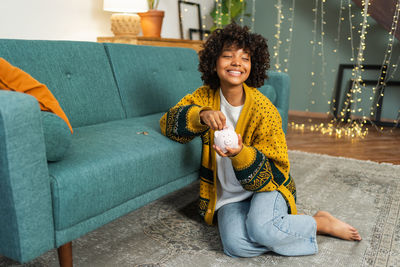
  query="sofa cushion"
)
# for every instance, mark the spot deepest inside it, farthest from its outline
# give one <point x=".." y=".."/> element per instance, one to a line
<point x="108" y="164"/>
<point x="153" y="79"/>
<point x="57" y="136"/>
<point x="77" y="73"/>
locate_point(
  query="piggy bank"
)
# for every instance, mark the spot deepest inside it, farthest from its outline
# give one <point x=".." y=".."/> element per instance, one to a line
<point x="226" y="138"/>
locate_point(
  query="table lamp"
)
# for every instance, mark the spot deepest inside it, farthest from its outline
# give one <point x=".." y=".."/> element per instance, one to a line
<point x="124" y="22"/>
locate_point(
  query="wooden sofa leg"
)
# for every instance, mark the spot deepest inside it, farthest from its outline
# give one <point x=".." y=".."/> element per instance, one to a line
<point x="65" y="255"/>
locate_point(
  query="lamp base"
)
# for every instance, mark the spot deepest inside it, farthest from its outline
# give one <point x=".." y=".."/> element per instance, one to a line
<point x="125" y="24"/>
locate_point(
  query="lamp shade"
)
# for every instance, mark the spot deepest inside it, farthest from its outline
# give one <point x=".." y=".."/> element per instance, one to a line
<point x="125" y="6"/>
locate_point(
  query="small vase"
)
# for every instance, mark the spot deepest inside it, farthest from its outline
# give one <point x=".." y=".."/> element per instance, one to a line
<point x="151" y="22"/>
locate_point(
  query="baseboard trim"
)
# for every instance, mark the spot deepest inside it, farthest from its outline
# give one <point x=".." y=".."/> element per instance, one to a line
<point x="323" y="116"/>
<point x="308" y="114"/>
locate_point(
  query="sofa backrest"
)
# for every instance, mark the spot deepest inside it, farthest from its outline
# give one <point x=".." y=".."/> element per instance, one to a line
<point x="153" y="79"/>
<point x="277" y="89"/>
<point x="96" y="82"/>
<point x="77" y="73"/>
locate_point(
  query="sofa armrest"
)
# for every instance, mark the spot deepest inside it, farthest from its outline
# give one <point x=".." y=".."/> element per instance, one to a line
<point x="281" y="83"/>
<point x="26" y="220"/>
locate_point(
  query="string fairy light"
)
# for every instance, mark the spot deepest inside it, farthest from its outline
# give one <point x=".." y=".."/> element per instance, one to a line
<point x="384" y="71"/>
<point x="348" y="97"/>
<point x="289" y="40"/>
<point x="242" y="14"/>
<point x="354" y="128"/>
<point x="336" y="50"/>
<point x="322" y="48"/>
<point x="253" y="15"/>
<point x="358" y="86"/>
<point x="351" y="128"/>
<point x="319" y="8"/>
<point x="313" y="62"/>
<point x="350" y="38"/>
<point x="219" y="14"/>
<point x="279" y="66"/>
<point x="277" y="35"/>
<point x="229" y="10"/>
<point x="354" y="96"/>
<point x="204" y="26"/>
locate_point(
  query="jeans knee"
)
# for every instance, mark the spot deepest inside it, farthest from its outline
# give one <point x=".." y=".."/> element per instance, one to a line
<point x="265" y="233"/>
<point x="236" y="247"/>
<point x="257" y="230"/>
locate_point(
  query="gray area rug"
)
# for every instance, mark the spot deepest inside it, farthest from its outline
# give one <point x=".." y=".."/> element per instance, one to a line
<point x="168" y="232"/>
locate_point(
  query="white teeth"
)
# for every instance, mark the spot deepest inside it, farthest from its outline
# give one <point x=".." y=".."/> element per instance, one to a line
<point x="235" y="72"/>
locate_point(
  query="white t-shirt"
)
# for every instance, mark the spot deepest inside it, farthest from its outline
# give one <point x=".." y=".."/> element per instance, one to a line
<point x="229" y="189"/>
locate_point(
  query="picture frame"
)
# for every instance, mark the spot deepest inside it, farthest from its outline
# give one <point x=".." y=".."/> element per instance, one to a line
<point x="192" y="31"/>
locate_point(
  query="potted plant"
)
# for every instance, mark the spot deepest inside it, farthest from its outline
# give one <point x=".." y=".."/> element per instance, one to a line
<point x="237" y="7"/>
<point x="151" y="20"/>
<point x="153" y="4"/>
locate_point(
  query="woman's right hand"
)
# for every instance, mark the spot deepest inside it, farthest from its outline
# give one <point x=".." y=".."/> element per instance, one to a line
<point x="215" y="119"/>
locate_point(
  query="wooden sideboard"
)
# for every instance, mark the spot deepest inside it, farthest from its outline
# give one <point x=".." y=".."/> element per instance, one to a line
<point x="140" y="40"/>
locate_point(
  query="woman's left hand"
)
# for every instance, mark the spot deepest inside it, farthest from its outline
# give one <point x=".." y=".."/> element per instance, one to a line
<point x="231" y="152"/>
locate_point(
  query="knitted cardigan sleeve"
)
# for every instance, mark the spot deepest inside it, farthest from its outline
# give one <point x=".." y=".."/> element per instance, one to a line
<point x="263" y="165"/>
<point x="182" y="122"/>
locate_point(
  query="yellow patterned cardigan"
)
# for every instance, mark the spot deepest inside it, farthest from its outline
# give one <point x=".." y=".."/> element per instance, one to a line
<point x="262" y="164"/>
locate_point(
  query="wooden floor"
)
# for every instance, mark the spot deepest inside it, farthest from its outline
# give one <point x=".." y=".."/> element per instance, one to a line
<point x="376" y="146"/>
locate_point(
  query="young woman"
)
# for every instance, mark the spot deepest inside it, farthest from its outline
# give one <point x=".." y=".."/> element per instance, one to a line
<point x="249" y="187"/>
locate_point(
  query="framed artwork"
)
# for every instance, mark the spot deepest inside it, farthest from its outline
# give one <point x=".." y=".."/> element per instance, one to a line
<point x="342" y="98"/>
<point x="197" y="34"/>
<point x="189" y="28"/>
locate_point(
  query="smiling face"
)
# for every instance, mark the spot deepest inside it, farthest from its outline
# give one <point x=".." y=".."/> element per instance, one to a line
<point x="233" y="67"/>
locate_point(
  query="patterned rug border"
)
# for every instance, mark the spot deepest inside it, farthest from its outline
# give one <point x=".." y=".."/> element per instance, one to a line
<point x="346" y="158"/>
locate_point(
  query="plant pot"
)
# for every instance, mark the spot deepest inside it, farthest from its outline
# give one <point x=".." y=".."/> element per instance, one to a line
<point x="151" y="22"/>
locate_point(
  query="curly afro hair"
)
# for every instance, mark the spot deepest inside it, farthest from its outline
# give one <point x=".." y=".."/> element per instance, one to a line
<point x="242" y="38"/>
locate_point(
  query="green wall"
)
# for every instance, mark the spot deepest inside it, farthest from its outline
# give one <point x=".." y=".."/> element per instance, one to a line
<point x="301" y="62"/>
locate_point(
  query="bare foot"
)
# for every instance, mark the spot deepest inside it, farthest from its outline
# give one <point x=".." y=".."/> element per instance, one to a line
<point x="329" y="225"/>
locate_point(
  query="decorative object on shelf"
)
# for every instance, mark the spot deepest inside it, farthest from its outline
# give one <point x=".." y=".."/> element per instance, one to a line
<point x="227" y="11"/>
<point x="124" y="22"/>
<point x="202" y="33"/>
<point x="152" y="20"/>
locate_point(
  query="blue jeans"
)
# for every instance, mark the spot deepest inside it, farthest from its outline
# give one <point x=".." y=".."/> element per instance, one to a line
<point x="261" y="223"/>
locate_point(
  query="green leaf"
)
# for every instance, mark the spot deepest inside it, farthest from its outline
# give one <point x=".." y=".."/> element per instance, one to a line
<point x="237" y="8"/>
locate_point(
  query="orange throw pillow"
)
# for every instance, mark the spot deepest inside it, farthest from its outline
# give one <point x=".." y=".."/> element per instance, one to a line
<point x="15" y="79"/>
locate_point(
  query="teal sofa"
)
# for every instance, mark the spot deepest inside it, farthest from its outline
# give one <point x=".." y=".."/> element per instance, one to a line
<point x="111" y="93"/>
